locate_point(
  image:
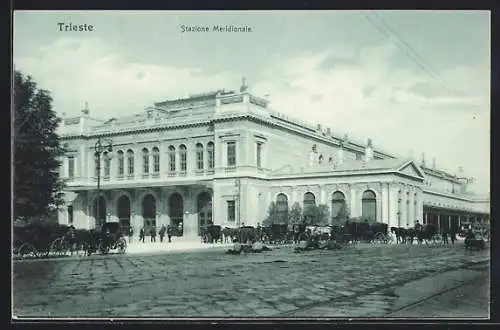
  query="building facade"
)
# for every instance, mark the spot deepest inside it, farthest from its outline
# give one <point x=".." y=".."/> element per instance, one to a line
<point x="225" y="156"/>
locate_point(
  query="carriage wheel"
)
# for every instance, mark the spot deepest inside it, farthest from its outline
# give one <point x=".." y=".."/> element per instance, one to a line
<point x="122" y="245"/>
<point x="27" y="250"/>
<point x="379" y="238"/>
<point x="58" y="247"/>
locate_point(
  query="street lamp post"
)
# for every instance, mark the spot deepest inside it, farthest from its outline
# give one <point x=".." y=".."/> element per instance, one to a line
<point x="100" y="147"/>
<point x="238" y="199"/>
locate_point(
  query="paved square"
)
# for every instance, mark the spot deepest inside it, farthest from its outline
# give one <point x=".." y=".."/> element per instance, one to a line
<point x="211" y="283"/>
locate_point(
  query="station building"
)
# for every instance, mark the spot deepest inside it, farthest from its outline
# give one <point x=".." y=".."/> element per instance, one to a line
<point x="224" y="156"/>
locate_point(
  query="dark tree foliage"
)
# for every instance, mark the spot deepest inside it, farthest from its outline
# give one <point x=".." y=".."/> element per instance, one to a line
<point x="37" y="186"/>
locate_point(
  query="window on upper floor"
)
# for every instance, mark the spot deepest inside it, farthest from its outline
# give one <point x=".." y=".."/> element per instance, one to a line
<point x="259" y="154"/>
<point x="130" y="162"/>
<point x="145" y="161"/>
<point x="199" y="156"/>
<point x="97" y="165"/>
<point x="107" y="165"/>
<point x="183" y="157"/>
<point x="171" y="158"/>
<point x="71" y="167"/>
<point x="320" y="159"/>
<point x="156" y="160"/>
<point x="121" y="163"/>
<point x="210" y="155"/>
<point x="231" y="211"/>
<point x="231" y="153"/>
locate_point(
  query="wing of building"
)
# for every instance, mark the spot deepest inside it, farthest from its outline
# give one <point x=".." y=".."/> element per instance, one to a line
<point x="225" y="156"/>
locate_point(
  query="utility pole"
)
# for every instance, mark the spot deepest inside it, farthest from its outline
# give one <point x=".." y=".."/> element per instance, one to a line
<point x="100" y="147"/>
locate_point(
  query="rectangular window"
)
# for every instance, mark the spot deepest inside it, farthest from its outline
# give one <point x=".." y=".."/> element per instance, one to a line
<point x="259" y="154"/>
<point x="231" y="211"/>
<point x="231" y="154"/>
<point x="359" y="156"/>
<point x="70" y="214"/>
<point x="71" y="167"/>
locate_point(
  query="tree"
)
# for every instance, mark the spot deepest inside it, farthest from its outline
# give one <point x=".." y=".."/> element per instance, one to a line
<point x="272" y="214"/>
<point x="37" y="149"/>
<point x="295" y="214"/>
<point x="317" y="214"/>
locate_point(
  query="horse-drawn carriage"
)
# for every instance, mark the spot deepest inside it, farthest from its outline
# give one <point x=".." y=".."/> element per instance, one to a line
<point x="110" y="237"/>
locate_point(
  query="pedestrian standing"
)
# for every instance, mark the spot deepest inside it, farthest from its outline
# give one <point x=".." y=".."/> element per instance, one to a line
<point x="153" y="234"/>
<point x="130" y="234"/>
<point x="162" y="232"/>
<point x="141" y="235"/>
<point x="169" y="233"/>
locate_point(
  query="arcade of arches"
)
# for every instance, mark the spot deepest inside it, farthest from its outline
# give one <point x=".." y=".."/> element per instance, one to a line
<point x="148" y="209"/>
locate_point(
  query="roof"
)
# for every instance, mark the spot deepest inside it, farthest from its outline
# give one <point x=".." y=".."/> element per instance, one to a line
<point x="357" y="166"/>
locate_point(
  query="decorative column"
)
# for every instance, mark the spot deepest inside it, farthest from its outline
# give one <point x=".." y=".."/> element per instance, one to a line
<point x="384" y="196"/>
<point x="322" y="194"/>
<point x="354" y="202"/>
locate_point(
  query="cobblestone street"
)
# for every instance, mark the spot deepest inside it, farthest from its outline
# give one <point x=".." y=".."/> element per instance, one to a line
<point x="210" y="283"/>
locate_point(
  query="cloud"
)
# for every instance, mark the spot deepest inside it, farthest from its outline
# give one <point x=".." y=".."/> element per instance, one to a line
<point x="400" y="108"/>
<point x="79" y="70"/>
<point x="355" y="92"/>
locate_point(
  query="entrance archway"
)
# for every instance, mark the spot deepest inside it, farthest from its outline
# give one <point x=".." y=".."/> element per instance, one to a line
<point x="204" y="210"/>
<point x="149" y="212"/>
<point x="176" y="212"/>
<point x="99" y="211"/>
<point x="123" y="210"/>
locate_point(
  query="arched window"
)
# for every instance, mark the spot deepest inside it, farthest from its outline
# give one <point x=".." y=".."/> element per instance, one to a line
<point x="339" y="207"/>
<point x="399" y="208"/>
<point x="308" y="209"/>
<point x="107" y="165"/>
<point x="121" y="164"/>
<point x="330" y="160"/>
<point x="156" y="161"/>
<point x="210" y="155"/>
<point x="145" y="161"/>
<point x="183" y="158"/>
<point x="369" y="206"/>
<point x="130" y="162"/>
<point x="309" y="199"/>
<point x="171" y="159"/>
<point x="199" y="156"/>
<point x="320" y="159"/>
<point x="282" y="208"/>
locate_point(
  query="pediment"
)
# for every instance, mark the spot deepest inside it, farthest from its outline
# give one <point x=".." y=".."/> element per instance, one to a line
<point x="411" y="169"/>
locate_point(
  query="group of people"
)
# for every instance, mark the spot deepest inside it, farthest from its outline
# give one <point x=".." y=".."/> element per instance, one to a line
<point x="167" y="231"/>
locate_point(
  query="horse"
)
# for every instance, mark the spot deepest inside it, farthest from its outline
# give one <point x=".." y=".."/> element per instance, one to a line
<point x="229" y="234"/>
<point x="427" y="233"/>
<point x="401" y="234"/>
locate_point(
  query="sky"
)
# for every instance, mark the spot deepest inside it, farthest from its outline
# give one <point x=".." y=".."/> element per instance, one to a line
<point x="413" y="81"/>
